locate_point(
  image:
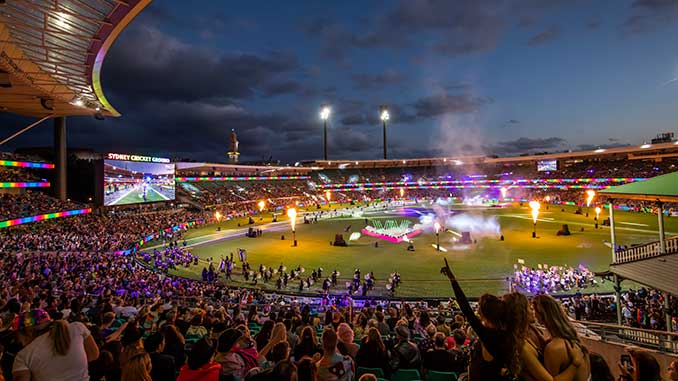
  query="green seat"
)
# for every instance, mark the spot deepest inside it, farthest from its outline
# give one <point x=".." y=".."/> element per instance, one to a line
<point x="441" y="376"/>
<point x="375" y="371"/>
<point x="406" y="375"/>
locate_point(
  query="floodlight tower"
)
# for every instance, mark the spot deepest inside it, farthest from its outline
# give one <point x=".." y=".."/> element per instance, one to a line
<point x="384" y="116"/>
<point x="324" y="115"/>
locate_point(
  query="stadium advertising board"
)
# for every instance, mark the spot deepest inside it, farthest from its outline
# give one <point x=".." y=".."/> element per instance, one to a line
<point x="134" y="179"/>
<point x="547" y="165"/>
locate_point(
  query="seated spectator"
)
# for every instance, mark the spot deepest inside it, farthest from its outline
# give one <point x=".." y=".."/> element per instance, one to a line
<point x="373" y="353"/>
<point x="308" y="344"/>
<point x="600" y="371"/>
<point x="346" y="346"/>
<point x="442" y="360"/>
<point x="200" y="365"/>
<point x="405" y="354"/>
<point x="332" y="365"/>
<point x="53" y="350"/>
<point x="163" y="365"/>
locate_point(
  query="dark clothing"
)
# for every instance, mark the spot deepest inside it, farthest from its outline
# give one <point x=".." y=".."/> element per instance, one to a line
<point x="406" y="356"/>
<point x="391" y="321"/>
<point x="369" y="356"/>
<point x="496" y="342"/>
<point x="442" y="360"/>
<point x="301" y="350"/>
<point x="178" y="354"/>
<point x="162" y="367"/>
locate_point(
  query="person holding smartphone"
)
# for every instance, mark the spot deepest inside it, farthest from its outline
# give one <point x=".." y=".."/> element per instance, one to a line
<point x="639" y="365"/>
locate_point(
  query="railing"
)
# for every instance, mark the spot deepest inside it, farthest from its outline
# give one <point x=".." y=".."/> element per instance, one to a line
<point x="647" y="250"/>
<point x="661" y="341"/>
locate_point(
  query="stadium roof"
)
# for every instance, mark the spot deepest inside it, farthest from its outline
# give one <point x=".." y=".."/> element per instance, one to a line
<point x="658" y="272"/>
<point x="660" y="188"/>
<point x="52" y="51"/>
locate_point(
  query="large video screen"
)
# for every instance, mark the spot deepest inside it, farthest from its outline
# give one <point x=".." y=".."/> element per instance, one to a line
<point x="547" y="165"/>
<point x="133" y="182"/>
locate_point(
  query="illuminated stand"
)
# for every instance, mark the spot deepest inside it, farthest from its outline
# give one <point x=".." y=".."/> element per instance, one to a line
<point x="233" y="153"/>
<point x="392" y="231"/>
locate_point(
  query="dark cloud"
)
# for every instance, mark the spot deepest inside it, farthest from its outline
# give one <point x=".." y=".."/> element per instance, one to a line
<point x="544" y="37"/>
<point x="446" y="103"/>
<point x="526" y="145"/>
<point x="650" y="14"/>
<point x="152" y="64"/>
<point x="377" y="81"/>
<point x="591" y="147"/>
<point x="353" y="120"/>
<point x="282" y="87"/>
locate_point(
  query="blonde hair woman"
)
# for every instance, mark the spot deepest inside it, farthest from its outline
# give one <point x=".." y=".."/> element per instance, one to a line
<point x="137" y="368"/>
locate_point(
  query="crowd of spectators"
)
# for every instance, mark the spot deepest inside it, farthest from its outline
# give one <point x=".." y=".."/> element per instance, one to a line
<point x="31" y="203"/>
<point x="126" y="322"/>
<point x="109" y="231"/>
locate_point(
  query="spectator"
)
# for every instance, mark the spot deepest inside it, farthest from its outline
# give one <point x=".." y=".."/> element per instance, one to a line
<point x="306" y="369"/>
<point x="138" y="368"/>
<point x="442" y="360"/>
<point x="673" y="371"/>
<point x="346" y="346"/>
<point x="373" y="353"/>
<point x="163" y="367"/>
<point x="332" y="365"/>
<point x="600" y="371"/>
<point x="405" y="353"/>
<point x="54" y="350"/>
<point x="200" y="365"/>
<point x="284" y="371"/>
<point x="645" y="367"/>
<point x="174" y="345"/>
<point x="308" y="344"/>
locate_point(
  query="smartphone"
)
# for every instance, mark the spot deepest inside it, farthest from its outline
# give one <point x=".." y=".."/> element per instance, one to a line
<point x="625" y="360"/>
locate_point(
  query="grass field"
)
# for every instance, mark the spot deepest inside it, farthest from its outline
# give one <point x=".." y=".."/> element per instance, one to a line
<point x="136" y="195"/>
<point x="481" y="267"/>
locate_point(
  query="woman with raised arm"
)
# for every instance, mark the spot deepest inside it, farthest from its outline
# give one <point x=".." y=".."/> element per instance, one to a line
<point x="501" y="330"/>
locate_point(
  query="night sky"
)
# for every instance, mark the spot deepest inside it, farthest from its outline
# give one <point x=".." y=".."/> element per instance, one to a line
<point x="460" y="77"/>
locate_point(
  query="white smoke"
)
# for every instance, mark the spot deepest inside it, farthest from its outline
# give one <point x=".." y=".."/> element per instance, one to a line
<point x="479" y="225"/>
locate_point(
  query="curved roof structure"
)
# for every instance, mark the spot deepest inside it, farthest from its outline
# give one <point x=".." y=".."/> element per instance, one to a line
<point x="52" y="51"/>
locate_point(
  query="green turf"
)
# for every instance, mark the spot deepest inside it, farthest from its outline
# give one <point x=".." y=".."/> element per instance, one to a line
<point x="136" y="196"/>
<point x="481" y="267"/>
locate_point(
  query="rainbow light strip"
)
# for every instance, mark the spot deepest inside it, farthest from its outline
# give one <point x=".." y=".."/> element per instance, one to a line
<point x="153" y="236"/>
<point x="25" y="164"/>
<point x="497" y="187"/>
<point x="43" y="217"/>
<point x="401" y="184"/>
<point x="242" y="178"/>
<point x="41" y="184"/>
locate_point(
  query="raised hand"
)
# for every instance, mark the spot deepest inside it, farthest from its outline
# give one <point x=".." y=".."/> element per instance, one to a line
<point x="447" y="271"/>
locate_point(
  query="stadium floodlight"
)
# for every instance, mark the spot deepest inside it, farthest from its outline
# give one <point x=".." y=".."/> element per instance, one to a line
<point x="645" y="145"/>
<point x="325" y="111"/>
<point x="384" y="116"/>
<point x="599" y="150"/>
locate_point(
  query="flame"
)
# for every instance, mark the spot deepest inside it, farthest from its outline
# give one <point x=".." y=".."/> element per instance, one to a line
<point x="589" y="196"/>
<point x="217" y="216"/>
<point x="292" y="214"/>
<point x="547" y="198"/>
<point x="535" y="210"/>
<point x="436" y="226"/>
<point x="328" y="195"/>
<point x="402" y="192"/>
<point x="503" y="191"/>
<point x="598" y="210"/>
<point x="262" y="205"/>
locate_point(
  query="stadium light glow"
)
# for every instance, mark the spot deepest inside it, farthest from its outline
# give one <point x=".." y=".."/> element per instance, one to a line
<point x="645" y="145"/>
<point x="599" y="150"/>
<point x="436" y="226"/>
<point x="384" y="115"/>
<point x="325" y="112"/>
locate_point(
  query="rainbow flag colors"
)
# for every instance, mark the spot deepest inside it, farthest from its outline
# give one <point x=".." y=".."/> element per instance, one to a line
<point x="242" y="178"/>
<point x="43" y="217"/>
<point x="40" y="184"/>
<point x="25" y="164"/>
